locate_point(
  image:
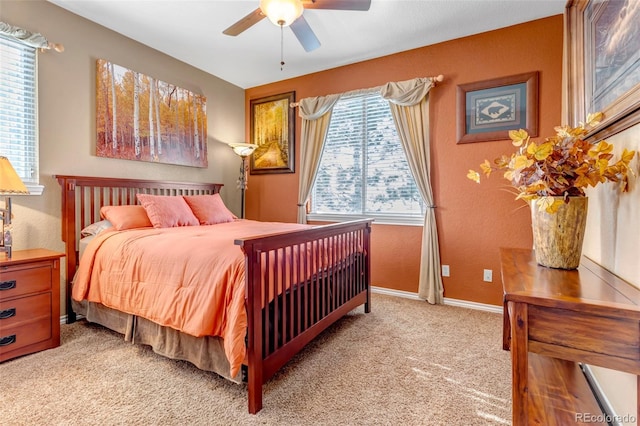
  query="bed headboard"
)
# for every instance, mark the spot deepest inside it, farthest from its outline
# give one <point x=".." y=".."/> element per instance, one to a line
<point x="83" y="196"/>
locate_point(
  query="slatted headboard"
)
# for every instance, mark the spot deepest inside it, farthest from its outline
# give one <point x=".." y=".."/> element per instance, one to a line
<point x="83" y="196"/>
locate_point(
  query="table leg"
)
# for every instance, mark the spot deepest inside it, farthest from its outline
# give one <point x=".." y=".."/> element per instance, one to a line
<point x="506" y="326"/>
<point x="520" y="362"/>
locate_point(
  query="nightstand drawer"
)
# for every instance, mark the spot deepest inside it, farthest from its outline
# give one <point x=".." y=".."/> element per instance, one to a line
<point x="13" y="338"/>
<point x="18" y="281"/>
<point x="24" y="309"/>
<point x="29" y="302"/>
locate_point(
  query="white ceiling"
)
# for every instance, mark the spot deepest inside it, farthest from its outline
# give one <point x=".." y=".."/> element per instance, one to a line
<point x="191" y="31"/>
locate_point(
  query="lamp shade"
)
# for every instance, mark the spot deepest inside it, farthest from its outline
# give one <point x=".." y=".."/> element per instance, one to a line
<point x="243" y="149"/>
<point x="10" y="182"/>
<point x="282" y="12"/>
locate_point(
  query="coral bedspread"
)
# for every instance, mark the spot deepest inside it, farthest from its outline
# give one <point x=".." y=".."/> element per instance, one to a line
<point x="189" y="278"/>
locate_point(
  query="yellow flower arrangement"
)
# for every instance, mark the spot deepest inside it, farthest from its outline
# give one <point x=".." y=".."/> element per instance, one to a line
<point x="560" y="167"/>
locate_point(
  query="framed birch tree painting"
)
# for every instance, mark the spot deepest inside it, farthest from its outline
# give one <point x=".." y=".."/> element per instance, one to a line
<point x="141" y="118"/>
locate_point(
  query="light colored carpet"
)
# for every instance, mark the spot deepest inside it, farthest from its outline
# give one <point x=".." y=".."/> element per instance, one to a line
<point x="405" y="363"/>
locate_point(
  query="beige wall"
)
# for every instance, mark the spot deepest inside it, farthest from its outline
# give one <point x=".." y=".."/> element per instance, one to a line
<point x="612" y="239"/>
<point x="67" y="115"/>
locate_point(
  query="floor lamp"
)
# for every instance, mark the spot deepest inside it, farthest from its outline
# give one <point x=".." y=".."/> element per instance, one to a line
<point x="10" y="183"/>
<point x="244" y="150"/>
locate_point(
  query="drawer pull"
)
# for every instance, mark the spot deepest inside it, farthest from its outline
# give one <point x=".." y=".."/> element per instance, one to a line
<point x="7" y="285"/>
<point x="7" y="313"/>
<point x="6" y="341"/>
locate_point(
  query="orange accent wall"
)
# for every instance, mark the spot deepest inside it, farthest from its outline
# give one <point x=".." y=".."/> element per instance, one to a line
<point x="474" y="221"/>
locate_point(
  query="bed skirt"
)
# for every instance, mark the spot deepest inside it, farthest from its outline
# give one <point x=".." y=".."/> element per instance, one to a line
<point x="206" y="353"/>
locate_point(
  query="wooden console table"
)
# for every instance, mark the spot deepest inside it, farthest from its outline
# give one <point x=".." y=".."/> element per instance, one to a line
<point x="555" y="319"/>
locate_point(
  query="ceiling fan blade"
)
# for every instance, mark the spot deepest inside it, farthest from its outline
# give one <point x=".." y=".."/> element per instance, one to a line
<point x="305" y="35"/>
<point x="338" y="4"/>
<point x="244" y="23"/>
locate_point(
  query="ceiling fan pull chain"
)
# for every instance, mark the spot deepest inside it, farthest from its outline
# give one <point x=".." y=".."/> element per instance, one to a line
<point x="281" y="47"/>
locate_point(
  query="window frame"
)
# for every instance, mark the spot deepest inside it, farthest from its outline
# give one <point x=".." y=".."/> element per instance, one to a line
<point x="34" y="186"/>
<point x="382" y="218"/>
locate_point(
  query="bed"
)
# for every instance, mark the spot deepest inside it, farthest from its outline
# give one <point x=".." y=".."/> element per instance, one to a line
<point x="295" y="282"/>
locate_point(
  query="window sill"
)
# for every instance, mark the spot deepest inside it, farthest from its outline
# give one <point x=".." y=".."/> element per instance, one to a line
<point x="379" y="219"/>
<point x="34" y="189"/>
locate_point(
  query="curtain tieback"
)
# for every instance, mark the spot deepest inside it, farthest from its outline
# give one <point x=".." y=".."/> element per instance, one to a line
<point x="431" y="207"/>
<point x="301" y="205"/>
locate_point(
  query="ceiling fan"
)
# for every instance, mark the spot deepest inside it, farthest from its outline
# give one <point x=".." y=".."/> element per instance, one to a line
<point x="284" y="13"/>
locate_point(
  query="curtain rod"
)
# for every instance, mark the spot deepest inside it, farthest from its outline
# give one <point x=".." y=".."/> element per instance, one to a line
<point x="35" y="40"/>
<point x="434" y="80"/>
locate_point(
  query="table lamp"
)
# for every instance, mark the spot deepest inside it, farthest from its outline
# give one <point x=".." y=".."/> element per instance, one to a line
<point x="10" y="183"/>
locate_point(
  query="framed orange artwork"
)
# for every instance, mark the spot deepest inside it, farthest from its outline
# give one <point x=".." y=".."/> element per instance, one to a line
<point x="273" y="130"/>
<point x="141" y="118"/>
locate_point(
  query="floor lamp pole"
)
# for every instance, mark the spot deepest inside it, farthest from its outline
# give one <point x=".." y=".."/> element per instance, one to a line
<point x="243" y="150"/>
<point x="242" y="183"/>
<point x="242" y="204"/>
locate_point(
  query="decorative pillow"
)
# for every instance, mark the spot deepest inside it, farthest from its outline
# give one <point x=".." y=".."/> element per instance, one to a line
<point x="209" y="209"/>
<point x="126" y="217"/>
<point x="96" y="228"/>
<point x="167" y="211"/>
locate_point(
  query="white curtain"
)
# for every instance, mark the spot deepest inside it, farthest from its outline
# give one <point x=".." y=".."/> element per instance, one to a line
<point x="315" y="114"/>
<point x="409" y="104"/>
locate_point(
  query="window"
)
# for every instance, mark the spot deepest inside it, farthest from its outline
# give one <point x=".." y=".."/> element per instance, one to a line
<point x="363" y="170"/>
<point x="18" y="109"/>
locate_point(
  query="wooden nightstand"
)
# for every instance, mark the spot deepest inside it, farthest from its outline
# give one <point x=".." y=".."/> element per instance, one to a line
<point x="29" y="302"/>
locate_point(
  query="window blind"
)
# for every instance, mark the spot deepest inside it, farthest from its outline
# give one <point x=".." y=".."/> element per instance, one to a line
<point x="363" y="170"/>
<point x="18" y="108"/>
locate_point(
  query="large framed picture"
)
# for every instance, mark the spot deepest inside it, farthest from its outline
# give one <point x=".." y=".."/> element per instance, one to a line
<point x="603" y="63"/>
<point x="141" y="118"/>
<point x="488" y="109"/>
<point x="273" y="130"/>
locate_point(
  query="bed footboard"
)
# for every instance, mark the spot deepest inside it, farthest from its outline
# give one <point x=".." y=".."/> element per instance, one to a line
<point x="298" y="284"/>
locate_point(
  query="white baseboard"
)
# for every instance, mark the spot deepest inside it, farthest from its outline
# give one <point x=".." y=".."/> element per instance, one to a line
<point x="473" y="305"/>
<point x="396" y="293"/>
<point x="447" y="301"/>
<point x="601" y="397"/>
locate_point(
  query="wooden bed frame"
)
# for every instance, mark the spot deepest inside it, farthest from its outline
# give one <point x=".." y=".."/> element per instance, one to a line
<point x="279" y="326"/>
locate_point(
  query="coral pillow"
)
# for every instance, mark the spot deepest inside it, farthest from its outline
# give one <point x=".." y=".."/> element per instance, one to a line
<point x="126" y="217"/>
<point x="167" y="211"/>
<point x="209" y="209"/>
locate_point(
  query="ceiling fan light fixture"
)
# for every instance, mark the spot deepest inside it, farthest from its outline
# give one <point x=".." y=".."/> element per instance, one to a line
<point x="282" y="12"/>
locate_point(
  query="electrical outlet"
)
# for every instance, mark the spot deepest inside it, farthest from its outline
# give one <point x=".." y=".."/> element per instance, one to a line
<point x="488" y="275"/>
<point x="445" y="270"/>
